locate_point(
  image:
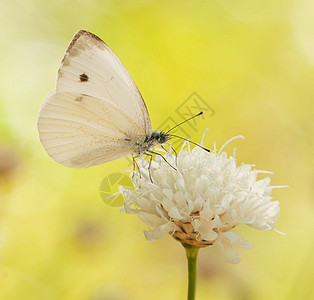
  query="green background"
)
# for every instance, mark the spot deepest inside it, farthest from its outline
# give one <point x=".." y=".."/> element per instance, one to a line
<point x="251" y="61"/>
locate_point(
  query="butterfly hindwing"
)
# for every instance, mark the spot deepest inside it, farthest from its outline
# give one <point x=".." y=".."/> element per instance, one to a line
<point x="74" y="132"/>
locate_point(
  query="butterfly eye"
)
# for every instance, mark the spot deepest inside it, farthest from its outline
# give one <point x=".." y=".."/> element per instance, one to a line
<point x="84" y="77"/>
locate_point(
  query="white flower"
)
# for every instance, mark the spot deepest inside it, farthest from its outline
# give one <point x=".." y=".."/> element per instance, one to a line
<point x="200" y="202"/>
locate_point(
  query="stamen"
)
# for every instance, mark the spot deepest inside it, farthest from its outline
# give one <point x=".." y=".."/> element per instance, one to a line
<point x="183" y="146"/>
<point x="215" y="149"/>
<point x="204" y="134"/>
<point x="230" y="140"/>
<point x="130" y="171"/>
<point x="264" y="172"/>
<point x="278" y="186"/>
<point x="109" y="197"/>
<point x="170" y="147"/>
<point x="234" y="153"/>
<point x="189" y="147"/>
<point x="280" y="232"/>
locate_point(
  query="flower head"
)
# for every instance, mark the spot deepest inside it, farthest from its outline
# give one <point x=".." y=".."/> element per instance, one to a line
<point x="203" y="200"/>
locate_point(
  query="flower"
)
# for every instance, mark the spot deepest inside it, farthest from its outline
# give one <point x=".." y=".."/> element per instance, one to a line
<point x="203" y="200"/>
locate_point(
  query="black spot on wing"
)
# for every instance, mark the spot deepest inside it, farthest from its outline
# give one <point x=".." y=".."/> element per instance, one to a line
<point x="84" y="77"/>
<point x="79" y="99"/>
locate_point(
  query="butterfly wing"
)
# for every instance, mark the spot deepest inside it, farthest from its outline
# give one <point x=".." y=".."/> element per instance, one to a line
<point x="96" y="114"/>
<point x="90" y="67"/>
<point x="79" y="131"/>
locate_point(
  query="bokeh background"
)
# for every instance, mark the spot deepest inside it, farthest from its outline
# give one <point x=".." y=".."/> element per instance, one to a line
<point x="251" y="62"/>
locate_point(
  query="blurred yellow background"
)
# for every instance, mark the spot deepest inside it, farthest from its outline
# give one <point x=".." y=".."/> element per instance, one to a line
<point x="251" y="62"/>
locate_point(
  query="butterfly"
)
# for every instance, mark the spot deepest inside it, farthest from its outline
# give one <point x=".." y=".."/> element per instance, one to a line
<point x="96" y="113"/>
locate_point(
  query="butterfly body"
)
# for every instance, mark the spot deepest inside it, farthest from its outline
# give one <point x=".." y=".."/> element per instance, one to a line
<point x="96" y="113"/>
<point x="156" y="138"/>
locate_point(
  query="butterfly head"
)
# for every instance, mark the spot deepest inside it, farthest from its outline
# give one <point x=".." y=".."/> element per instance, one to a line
<point x="159" y="137"/>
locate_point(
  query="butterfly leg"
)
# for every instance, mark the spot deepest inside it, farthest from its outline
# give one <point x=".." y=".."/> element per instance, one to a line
<point x="162" y="146"/>
<point x="156" y="153"/>
<point x="133" y="165"/>
<point x="175" y="153"/>
<point x="149" y="166"/>
<point x="136" y="164"/>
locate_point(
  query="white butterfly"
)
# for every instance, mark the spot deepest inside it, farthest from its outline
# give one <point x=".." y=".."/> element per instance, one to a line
<point x="96" y="114"/>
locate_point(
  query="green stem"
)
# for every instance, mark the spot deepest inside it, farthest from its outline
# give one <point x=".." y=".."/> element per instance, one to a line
<point x="191" y="254"/>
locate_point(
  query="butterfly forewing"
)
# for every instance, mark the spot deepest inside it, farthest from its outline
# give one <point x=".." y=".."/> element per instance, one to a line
<point x="90" y="67"/>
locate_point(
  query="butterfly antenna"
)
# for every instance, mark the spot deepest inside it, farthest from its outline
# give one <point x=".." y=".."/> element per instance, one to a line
<point x="182" y="138"/>
<point x="185" y="121"/>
